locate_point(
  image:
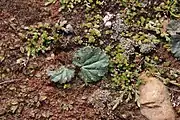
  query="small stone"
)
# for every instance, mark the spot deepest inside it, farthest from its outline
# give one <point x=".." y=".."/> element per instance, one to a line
<point x="22" y="49"/>
<point x="42" y="97"/>
<point x="100" y="98"/>
<point x="12" y="88"/>
<point x="20" y="109"/>
<point x="125" y="116"/>
<point x="36" y="99"/>
<point x="179" y="98"/>
<point x="84" y="98"/>
<point x="44" y="114"/>
<point x="155" y="100"/>
<point x="69" y="28"/>
<point x="38" y="104"/>
<point x="108" y="24"/>
<point x="107" y="17"/>
<point x="14" y="102"/>
<point x="1" y="58"/>
<point x="23" y="90"/>
<point x="62" y="23"/>
<point x="51" y="57"/>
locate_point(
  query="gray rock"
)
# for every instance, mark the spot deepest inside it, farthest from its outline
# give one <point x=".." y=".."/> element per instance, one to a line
<point x="128" y="46"/>
<point x="108" y="24"/>
<point x="100" y="98"/>
<point x="147" y="48"/>
<point x="62" y="23"/>
<point x="101" y="101"/>
<point x="155" y="100"/>
<point x="108" y="17"/>
<point x="118" y="26"/>
<point x="69" y="28"/>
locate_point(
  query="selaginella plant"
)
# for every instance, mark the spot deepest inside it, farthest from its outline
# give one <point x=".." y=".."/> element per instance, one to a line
<point x="39" y="38"/>
<point x="92" y="63"/>
<point x="42" y="37"/>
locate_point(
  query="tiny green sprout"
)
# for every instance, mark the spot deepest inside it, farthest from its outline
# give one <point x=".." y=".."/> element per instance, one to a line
<point x="67" y="86"/>
<point x="95" y="32"/>
<point x="91" y="39"/>
<point x="92" y="62"/>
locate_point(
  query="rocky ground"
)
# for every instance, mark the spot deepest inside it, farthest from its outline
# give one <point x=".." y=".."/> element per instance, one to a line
<point x="26" y="91"/>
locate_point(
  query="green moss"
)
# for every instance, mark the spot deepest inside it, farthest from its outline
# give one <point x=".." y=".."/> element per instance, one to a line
<point x="39" y="38"/>
<point x="91" y="39"/>
<point x="144" y="27"/>
<point x="95" y="32"/>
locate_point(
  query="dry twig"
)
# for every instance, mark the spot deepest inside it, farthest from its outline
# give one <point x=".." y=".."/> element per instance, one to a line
<point x="9" y="81"/>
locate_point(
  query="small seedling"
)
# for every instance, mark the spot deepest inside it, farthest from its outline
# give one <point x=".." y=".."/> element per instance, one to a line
<point x="92" y="62"/>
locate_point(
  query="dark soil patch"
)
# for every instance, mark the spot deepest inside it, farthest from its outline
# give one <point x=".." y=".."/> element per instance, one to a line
<point x="38" y="99"/>
<point x="25" y="12"/>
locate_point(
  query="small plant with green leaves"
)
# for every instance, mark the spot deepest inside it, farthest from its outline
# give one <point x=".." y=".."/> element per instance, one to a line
<point x="136" y="22"/>
<point x="62" y="75"/>
<point x="124" y="72"/>
<point x="92" y="63"/>
<point x="70" y="4"/>
<point x="41" y="37"/>
<point x="92" y="30"/>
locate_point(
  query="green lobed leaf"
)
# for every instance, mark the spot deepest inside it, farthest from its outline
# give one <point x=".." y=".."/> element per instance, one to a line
<point x="174" y="30"/>
<point x="93" y="63"/>
<point x="62" y="75"/>
<point x="176" y="46"/>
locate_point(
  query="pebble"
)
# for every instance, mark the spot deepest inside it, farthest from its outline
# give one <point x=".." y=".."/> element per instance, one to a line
<point x="155" y="100"/>
<point x="107" y="17"/>
<point x="69" y="28"/>
<point x="108" y="24"/>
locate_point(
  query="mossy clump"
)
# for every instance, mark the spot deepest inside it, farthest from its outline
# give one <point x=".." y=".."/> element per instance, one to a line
<point x="137" y="29"/>
<point x="135" y="33"/>
<point x="41" y="37"/>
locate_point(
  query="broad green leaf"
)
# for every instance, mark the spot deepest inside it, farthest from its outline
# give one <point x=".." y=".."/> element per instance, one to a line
<point x="174" y="30"/>
<point x="93" y="63"/>
<point x="176" y="46"/>
<point x="62" y="75"/>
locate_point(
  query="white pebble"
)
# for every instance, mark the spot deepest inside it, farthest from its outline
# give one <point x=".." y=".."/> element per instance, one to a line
<point x="108" y="24"/>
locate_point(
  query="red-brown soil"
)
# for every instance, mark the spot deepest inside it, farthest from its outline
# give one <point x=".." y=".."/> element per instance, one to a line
<point x="26" y="92"/>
